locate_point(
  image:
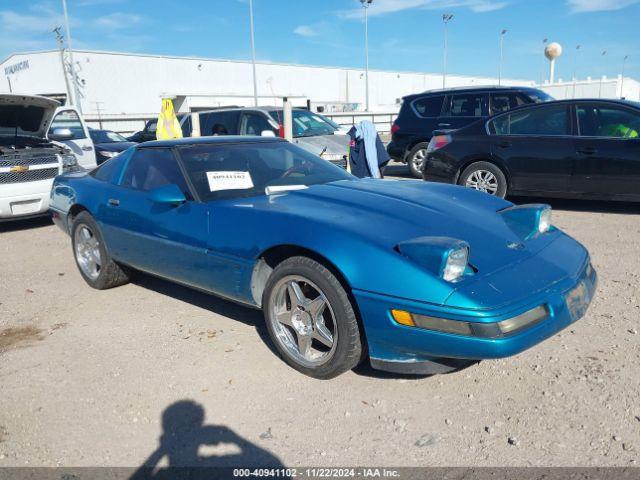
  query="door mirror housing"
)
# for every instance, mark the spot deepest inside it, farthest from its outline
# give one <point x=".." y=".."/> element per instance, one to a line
<point x="170" y="194"/>
<point x="61" y="134"/>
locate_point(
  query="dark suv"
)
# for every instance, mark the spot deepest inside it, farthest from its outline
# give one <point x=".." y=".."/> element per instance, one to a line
<point x="449" y="109"/>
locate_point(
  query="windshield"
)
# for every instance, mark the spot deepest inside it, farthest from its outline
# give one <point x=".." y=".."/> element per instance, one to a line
<point x="106" y="136"/>
<point x="246" y="169"/>
<point x="307" y="124"/>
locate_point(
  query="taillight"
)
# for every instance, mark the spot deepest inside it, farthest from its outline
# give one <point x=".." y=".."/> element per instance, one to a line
<point x="395" y="128"/>
<point x="438" y="141"/>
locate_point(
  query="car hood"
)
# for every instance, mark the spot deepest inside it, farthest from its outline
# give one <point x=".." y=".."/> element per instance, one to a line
<point x="334" y="144"/>
<point x="114" y="146"/>
<point x="388" y="212"/>
<point x="29" y="115"/>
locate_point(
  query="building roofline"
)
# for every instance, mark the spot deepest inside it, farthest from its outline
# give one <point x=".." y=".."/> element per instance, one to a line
<point x="259" y="62"/>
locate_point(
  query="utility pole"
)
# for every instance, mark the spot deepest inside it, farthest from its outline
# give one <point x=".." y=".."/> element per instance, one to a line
<point x="76" y="91"/>
<point x="365" y="5"/>
<point x="99" y="110"/>
<point x="604" y="52"/>
<point x="502" y="34"/>
<point x="575" y="61"/>
<point x="253" y="55"/>
<point x="60" y="40"/>
<point x="624" y="64"/>
<point x="446" y="18"/>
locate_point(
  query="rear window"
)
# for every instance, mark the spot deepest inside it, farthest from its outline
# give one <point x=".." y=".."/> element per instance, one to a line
<point x="429" y="106"/>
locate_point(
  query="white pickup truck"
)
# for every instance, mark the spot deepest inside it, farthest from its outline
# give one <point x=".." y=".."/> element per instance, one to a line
<point x="39" y="139"/>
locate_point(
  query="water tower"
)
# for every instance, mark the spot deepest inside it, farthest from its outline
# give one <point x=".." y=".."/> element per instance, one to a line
<point x="552" y="51"/>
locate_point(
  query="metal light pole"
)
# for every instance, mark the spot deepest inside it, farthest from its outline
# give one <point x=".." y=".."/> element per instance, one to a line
<point x="365" y="5"/>
<point x="544" y="42"/>
<point x="575" y="61"/>
<point x="624" y="64"/>
<point x="502" y="34"/>
<point x="76" y="92"/>
<point x="253" y="55"/>
<point x="446" y="18"/>
<point x="604" y="52"/>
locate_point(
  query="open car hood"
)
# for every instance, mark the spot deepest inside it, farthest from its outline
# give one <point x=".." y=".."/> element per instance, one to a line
<point x="26" y="115"/>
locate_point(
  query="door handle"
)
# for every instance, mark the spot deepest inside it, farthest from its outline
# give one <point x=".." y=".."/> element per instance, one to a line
<point x="503" y="144"/>
<point x="113" y="202"/>
<point x="444" y="124"/>
<point x="587" y="150"/>
<point x="87" y="148"/>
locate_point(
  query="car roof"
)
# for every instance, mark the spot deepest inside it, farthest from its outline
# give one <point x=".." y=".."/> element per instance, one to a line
<point x="266" y="109"/>
<point x="214" y="140"/>
<point x="479" y="88"/>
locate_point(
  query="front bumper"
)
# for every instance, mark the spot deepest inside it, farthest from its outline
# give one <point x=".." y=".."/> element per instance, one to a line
<point x="23" y="200"/>
<point x="403" y="349"/>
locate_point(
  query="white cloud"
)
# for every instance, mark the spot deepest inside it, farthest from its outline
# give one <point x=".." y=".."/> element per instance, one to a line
<point x="20" y="22"/>
<point x="382" y="7"/>
<point x="578" y="6"/>
<point x="118" y="20"/>
<point x="305" y="31"/>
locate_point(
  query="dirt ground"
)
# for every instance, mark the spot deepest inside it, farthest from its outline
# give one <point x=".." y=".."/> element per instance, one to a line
<point x="122" y="377"/>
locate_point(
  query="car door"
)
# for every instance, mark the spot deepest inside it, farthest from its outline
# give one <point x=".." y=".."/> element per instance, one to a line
<point x="81" y="144"/>
<point x="462" y="109"/>
<point x="535" y="146"/>
<point x="169" y="240"/>
<point x="607" y="149"/>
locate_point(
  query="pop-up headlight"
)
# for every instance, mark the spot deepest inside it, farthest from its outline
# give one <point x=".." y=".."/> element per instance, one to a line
<point x="446" y="257"/>
<point x="527" y="221"/>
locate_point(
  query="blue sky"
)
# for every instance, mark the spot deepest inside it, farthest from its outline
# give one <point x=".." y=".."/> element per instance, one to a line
<point x="404" y="34"/>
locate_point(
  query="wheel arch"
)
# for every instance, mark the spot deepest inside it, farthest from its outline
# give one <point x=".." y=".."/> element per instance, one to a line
<point x="73" y="212"/>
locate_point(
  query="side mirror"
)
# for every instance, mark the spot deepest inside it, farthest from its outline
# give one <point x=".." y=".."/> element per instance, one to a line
<point x="61" y="134"/>
<point x="167" y="194"/>
<point x="267" y="133"/>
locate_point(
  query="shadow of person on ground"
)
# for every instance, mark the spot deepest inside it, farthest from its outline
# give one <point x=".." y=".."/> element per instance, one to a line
<point x="183" y="439"/>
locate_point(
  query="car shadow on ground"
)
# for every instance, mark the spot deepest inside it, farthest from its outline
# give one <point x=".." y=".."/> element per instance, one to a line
<point x="190" y="449"/>
<point x="226" y="308"/>
<point x="574" y="205"/>
<point x="26" y="224"/>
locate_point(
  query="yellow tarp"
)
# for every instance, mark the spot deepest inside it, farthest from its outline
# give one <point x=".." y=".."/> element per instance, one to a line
<point x="168" y="124"/>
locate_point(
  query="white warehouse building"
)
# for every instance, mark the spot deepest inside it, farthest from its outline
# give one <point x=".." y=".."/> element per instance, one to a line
<point x="132" y="84"/>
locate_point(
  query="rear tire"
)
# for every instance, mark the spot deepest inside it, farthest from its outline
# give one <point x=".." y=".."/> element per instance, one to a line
<point x="416" y="158"/>
<point x="96" y="266"/>
<point x="485" y="177"/>
<point x="310" y="319"/>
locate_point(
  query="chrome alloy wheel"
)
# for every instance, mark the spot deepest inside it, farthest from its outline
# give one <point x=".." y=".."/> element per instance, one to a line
<point x="483" y="180"/>
<point x="88" y="252"/>
<point x="303" y="321"/>
<point x="419" y="158"/>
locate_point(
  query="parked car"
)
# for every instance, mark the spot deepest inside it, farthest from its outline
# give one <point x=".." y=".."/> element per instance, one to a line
<point x="108" y="144"/>
<point x="32" y="153"/>
<point x="454" y="108"/>
<point x="417" y="277"/>
<point x="311" y="131"/>
<point x="570" y="148"/>
<point x="148" y="133"/>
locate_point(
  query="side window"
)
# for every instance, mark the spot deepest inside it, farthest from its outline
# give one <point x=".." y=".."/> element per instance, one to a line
<point x="468" y="105"/>
<point x="612" y="122"/>
<point x="254" y="124"/>
<point x="68" y="119"/>
<point x="110" y="170"/>
<point x="429" y="106"/>
<point x="151" y="168"/>
<point x="151" y="126"/>
<point x="501" y="102"/>
<point x="551" y="120"/>
<point x="219" y="123"/>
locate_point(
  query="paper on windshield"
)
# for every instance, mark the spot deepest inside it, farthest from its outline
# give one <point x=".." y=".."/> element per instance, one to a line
<point x="229" y="181"/>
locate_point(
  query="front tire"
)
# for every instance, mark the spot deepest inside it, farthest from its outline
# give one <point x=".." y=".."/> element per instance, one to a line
<point x="416" y="158"/>
<point x="96" y="266"/>
<point x="485" y="177"/>
<point x="310" y="319"/>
